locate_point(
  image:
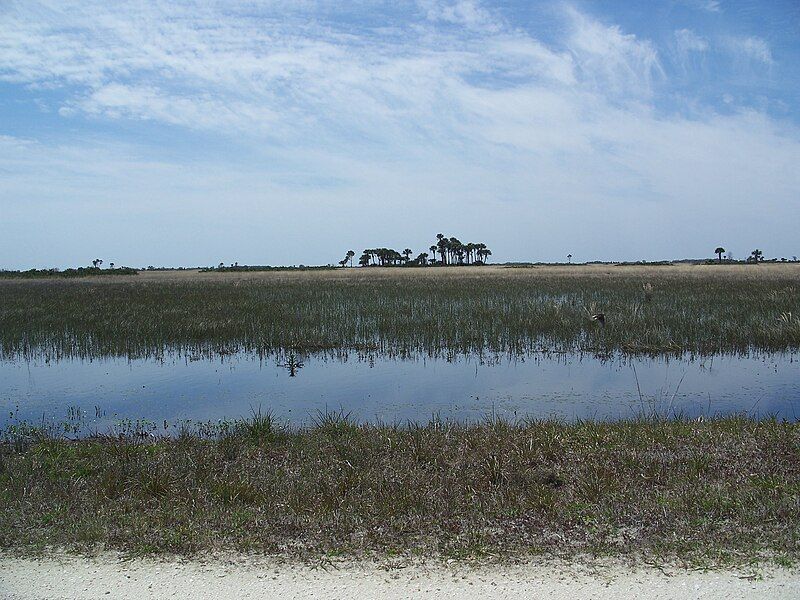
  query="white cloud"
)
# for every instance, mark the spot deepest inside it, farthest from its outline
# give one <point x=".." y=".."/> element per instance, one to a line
<point x="712" y="6"/>
<point x="613" y="61"/>
<point x="688" y="41"/>
<point x="467" y="13"/>
<point x="753" y="48"/>
<point x="201" y="111"/>
<point x="188" y="67"/>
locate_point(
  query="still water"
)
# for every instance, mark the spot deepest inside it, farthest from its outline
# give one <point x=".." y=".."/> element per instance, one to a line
<point x="372" y="388"/>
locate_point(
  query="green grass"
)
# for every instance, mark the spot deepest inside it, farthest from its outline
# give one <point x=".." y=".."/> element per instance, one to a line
<point x="713" y="492"/>
<point x="648" y="310"/>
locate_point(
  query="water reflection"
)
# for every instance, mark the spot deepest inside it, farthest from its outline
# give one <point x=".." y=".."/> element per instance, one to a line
<point x="293" y="365"/>
<point x="369" y="386"/>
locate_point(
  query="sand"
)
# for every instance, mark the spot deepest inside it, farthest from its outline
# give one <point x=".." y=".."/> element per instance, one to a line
<point x="108" y="576"/>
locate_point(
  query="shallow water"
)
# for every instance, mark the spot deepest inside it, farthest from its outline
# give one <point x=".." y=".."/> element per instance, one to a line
<point x="295" y="389"/>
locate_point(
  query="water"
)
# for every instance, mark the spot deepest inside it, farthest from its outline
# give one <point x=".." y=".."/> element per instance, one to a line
<point x="297" y="388"/>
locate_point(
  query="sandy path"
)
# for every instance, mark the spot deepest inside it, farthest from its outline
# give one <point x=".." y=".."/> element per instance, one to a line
<point x="107" y="577"/>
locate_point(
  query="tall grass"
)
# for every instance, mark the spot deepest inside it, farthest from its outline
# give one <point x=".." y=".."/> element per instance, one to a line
<point x="656" y="310"/>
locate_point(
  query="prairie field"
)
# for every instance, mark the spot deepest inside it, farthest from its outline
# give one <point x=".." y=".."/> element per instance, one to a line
<point x="647" y="309"/>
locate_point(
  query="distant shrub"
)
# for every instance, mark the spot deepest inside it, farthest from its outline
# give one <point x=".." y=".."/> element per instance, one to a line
<point x="257" y="268"/>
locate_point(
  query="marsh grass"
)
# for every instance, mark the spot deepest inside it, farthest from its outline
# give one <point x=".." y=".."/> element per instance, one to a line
<point x="663" y="310"/>
<point x="720" y="491"/>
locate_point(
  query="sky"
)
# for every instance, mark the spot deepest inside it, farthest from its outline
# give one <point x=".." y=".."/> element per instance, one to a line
<point x="288" y="132"/>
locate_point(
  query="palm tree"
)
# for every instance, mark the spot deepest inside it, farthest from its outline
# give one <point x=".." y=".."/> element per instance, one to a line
<point x="569" y="258"/>
<point x="422" y="259"/>
<point x="97" y="262"/>
<point x="457" y="249"/>
<point x="407" y="253"/>
<point x="111" y="265"/>
<point x="444" y="245"/>
<point x="350" y="255"/>
<point x="486" y="252"/>
<point x="719" y="251"/>
<point x="433" y="251"/>
<point x="364" y="260"/>
<point x="479" y="248"/>
<point x="757" y="255"/>
<point x="467" y="250"/>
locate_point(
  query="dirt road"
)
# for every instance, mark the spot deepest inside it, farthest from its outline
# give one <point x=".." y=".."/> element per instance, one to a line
<point x="241" y="578"/>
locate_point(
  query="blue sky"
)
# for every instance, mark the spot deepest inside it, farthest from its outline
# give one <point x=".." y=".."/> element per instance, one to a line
<point x="286" y="132"/>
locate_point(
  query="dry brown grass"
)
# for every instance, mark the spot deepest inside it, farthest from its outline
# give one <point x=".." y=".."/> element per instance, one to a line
<point x="762" y="272"/>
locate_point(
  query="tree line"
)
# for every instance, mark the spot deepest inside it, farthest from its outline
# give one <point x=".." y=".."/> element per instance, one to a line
<point x="449" y="250"/>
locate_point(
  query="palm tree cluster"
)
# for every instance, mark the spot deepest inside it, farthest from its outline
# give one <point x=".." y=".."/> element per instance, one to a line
<point x="453" y="252"/>
<point x="384" y="257"/>
<point x="450" y="251"/>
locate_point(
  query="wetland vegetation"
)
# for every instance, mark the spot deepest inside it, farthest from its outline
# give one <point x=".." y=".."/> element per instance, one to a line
<point x="653" y="310"/>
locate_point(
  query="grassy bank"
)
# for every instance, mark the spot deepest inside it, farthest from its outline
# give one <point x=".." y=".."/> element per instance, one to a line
<point x="703" y="309"/>
<point x="724" y="490"/>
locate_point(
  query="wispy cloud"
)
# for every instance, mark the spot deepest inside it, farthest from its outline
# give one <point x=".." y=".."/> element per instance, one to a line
<point x="752" y="48"/>
<point x="468" y="13"/>
<point x="610" y="59"/>
<point x="688" y="41"/>
<point x="711" y="6"/>
<point x="185" y="66"/>
<point x="201" y="111"/>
